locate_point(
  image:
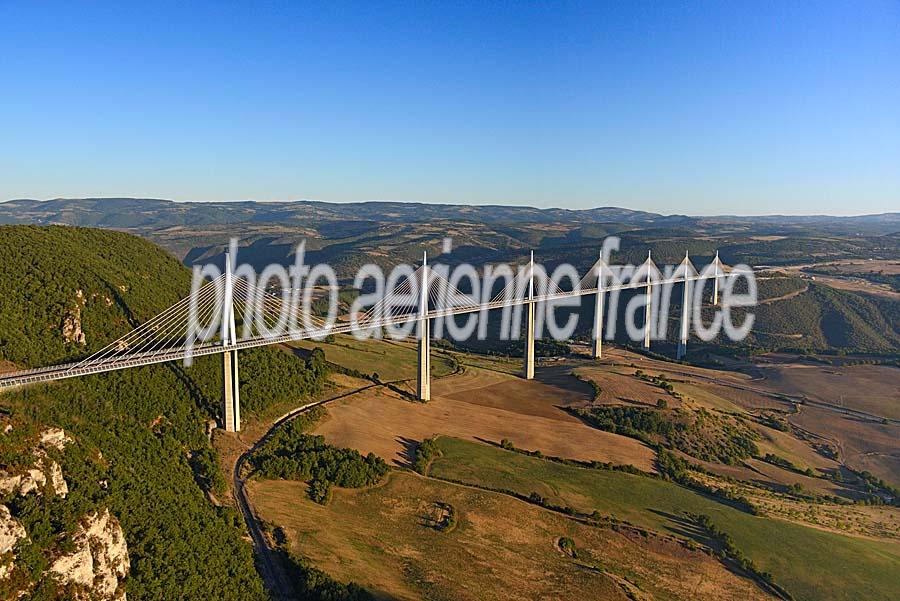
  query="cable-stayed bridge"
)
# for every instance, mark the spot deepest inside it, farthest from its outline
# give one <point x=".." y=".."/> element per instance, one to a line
<point x="218" y="307"/>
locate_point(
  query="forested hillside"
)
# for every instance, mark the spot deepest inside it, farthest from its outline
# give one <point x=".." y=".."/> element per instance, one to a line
<point x="826" y="318"/>
<point x="106" y="279"/>
<point x="142" y="450"/>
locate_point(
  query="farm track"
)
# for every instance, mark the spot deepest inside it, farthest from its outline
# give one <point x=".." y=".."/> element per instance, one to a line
<point x="784" y="296"/>
<point x="271" y="567"/>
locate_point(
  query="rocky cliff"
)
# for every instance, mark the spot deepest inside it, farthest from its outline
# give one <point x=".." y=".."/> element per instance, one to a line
<point x="96" y="569"/>
<point x="88" y="562"/>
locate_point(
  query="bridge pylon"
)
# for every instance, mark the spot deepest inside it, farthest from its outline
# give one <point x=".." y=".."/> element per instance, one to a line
<point x="685" y="311"/>
<point x="597" y="350"/>
<point x="423" y="381"/>
<point x="715" y="298"/>
<point x="529" y="323"/>
<point x="648" y="311"/>
<point x="231" y="397"/>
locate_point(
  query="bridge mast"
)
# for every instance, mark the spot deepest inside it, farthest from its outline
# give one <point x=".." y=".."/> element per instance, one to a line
<point x="715" y="299"/>
<point x="598" y="314"/>
<point x="685" y="311"/>
<point x="529" y="326"/>
<point x="648" y="313"/>
<point x="423" y="382"/>
<point x="231" y="400"/>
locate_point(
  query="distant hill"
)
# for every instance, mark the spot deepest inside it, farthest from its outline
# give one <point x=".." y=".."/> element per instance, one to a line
<point x="347" y="236"/>
<point x="823" y="318"/>
<point x="156" y="213"/>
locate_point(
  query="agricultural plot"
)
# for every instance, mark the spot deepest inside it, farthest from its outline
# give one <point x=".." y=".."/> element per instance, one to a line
<point x="502" y="548"/>
<point x="391" y="360"/>
<point x="810" y="563"/>
<point x="487" y="406"/>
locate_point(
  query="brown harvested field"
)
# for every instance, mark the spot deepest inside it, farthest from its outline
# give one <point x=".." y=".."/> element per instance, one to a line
<point x="615" y="375"/>
<point x="619" y="385"/>
<point x="791" y="448"/>
<point x="715" y="389"/>
<point x="871" y="388"/>
<point x="478" y="404"/>
<point x="553" y="388"/>
<point x="851" y="266"/>
<point x="502" y="548"/>
<point x="854" y="284"/>
<point x="864" y="445"/>
<point x="745" y="399"/>
<point x="629" y="361"/>
<point x="849" y="275"/>
<point x="772" y="473"/>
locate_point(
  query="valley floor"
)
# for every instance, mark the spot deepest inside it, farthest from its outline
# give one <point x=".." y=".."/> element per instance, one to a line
<point x="647" y="544"/>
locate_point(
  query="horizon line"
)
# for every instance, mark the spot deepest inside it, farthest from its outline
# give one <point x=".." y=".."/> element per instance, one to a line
<point x="448" y="204"/>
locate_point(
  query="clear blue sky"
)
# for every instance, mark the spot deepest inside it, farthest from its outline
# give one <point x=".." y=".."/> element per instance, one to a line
<point x="696" y="108"/>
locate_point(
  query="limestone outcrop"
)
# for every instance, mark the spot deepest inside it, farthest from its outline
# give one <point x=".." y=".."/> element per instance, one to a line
<point x="95" y="562"/>
<point x="55" y="438"/>
<point x="71" y="322"/>
<point x="11" y="531"/>
<point x="99" y="563"/>
<point x="34" y="479"/>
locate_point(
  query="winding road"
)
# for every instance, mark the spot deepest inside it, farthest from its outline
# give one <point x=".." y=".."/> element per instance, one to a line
<point x="271" y="567"/>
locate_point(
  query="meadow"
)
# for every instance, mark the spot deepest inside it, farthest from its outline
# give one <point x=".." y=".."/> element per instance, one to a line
<point x="391" y="360"/>
<point x="810" y="563"/>
<point x="385" y="539"/>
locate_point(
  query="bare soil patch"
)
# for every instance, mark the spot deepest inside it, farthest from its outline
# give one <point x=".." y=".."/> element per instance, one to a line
<point x="489" y="406"/>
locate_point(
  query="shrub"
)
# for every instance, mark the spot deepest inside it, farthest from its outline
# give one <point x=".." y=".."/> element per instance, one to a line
<point x="567" y="546"/>
<point x="426" y="452"/>
<point x="294" y="455"/>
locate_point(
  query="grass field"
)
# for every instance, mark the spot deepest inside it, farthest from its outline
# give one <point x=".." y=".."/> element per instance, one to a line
<point x="511" y="366"/>
<point x="391" y="360"/>
<point x="811" y="564"/>
<point x="476" y="404"/>
<point x="502" y="548"/>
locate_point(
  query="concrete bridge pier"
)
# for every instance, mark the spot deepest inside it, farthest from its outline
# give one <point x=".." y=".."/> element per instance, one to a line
<point x="685" y="315"/>
<point x="715" y="299"/>
<point x="648" y="311"/>
<point x="231" y="397"/>
<point x="423" y="381"/>
<point x="597" y="352"/>
<point x="648" y="314"/>
<point x="529" y="323"/>
<point x="529" y="343"/>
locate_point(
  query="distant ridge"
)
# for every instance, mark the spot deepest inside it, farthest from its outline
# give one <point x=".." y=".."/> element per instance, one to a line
<point x="153" y="213"/>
